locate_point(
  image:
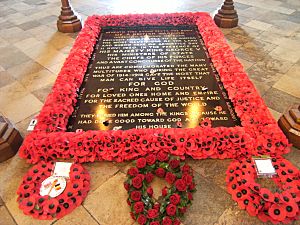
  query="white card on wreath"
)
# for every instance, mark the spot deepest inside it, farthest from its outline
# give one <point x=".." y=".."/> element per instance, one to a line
<point x="62" y="169"/>
<point x="264" y="166"/>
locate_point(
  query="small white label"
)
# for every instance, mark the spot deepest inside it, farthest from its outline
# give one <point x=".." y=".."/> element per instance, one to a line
<point x="53" y="186"/>
<point x="31" y="125"/>
<point x="264" y="166"/>
<point x="62" y="169"/>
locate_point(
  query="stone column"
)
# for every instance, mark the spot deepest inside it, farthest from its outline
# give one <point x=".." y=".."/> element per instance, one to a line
<point x="227" y="16"/>
<point x="68" y="21"/>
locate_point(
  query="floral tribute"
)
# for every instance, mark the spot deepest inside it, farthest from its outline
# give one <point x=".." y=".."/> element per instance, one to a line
<point x="44" y="207"/>
<point x="176" y="199"/>
<point x="281" y="206"/>
<point x="259" y="133"/>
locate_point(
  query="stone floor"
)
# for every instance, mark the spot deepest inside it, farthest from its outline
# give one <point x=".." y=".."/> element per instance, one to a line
<point x="32" y="52"/>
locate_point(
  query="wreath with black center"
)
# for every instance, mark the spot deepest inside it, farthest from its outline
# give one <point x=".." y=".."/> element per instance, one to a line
<point x="175" y="200"/>
<point x="44" y="207"/>
<point x="280" y="206"/>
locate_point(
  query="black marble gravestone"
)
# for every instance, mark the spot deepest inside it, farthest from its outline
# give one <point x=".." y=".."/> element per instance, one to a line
<point x="151" y="77"/>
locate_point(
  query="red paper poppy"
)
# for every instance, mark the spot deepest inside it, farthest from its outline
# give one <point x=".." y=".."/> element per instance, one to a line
<point x="277" y="212"/>
<point x="266" y="194"/>
<point x="27" y="204"/>
<point x="50" y="206"/>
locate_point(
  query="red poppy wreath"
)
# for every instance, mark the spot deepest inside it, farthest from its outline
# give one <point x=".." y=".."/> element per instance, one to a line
<point x="281" y="206"/>
<point x="45" y="207"/>
<point x="176" y="199"/>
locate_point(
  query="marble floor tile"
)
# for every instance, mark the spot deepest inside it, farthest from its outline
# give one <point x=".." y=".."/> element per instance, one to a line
<point x="60" y="41"/>
<point x="29" y="25"/>
<point x="260" y="86"/>
<point x="5" y="11"/>
<point x="110" y="210"/>
<point x="12" y="57"/>
<point x="5" y="79"/>
<point x="283" y="10"/>
<point x="20" y="218"/>
<point x="100" y="172"/>
<point x="22" y="70"/>
<point x="23" y="125"/>
<point x="27" y="43"/>
<point x="241" y="6"/>
<point x="211" y="170"/>
<point x="233" y="215"/>
<point x="11" y="92"/>
<point x="271" y="17"/>
<point x="288" y="84"/>
<point x="233" y="45"/>
<point x="286" y="54"/>
<point x="258" y="25"/>
<point x="279" y="100"/>
<point x="293" y="156"/>
<point x="55" y="69"/>
<point x="12" y="172"/>
<point x="246" y="64"/>
<point x="249" y="12"/>
<point x="35" y="81"/>
<point x="246" y="31"/>
<point x="251" y="55"/>
<point x="42" y="93"/>
<point x="78" y="217"/>
<point x="3" y="43"/>
<point x="51" y="58"/>
<point x="39" y="49"/>
<point x="6" y="218"/>
<point x="210" y="210"/>
<point x="5" y="24"/>
<point x="20" y="6"/>
<point x="275" y="114"/>
<point x="284" y="27"/>
<point x="21" y="108"/>
<point x="288" y="43"/>
<point x="41" y="31"/>
<point x="269" y="70"/>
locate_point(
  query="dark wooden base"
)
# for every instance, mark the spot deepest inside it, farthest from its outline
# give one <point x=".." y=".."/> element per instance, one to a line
<point x="226" y="16"/>
<point x="68" y="21"/>
<point x="290" y="124"/>
<point x="10" y="140"/>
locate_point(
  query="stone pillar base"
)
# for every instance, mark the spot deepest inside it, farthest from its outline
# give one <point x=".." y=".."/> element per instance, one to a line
<point x="290" y="124"/>
<point x="226" y="16"/>
<point x="68" y="21"/>
<point x="10" y="139"/>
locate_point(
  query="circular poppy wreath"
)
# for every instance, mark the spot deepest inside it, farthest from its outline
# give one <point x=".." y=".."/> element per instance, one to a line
<point x="281" y="206"/>
<point x="175" y="200"/>
<point x="44" y="207"/>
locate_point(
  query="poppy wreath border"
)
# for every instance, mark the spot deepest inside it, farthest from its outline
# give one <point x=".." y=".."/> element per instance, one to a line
<point x="44" y="207"/>
<point x="176" y="199"/>
<point x="259" y="201"/>
<point x="258" y="133"/>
